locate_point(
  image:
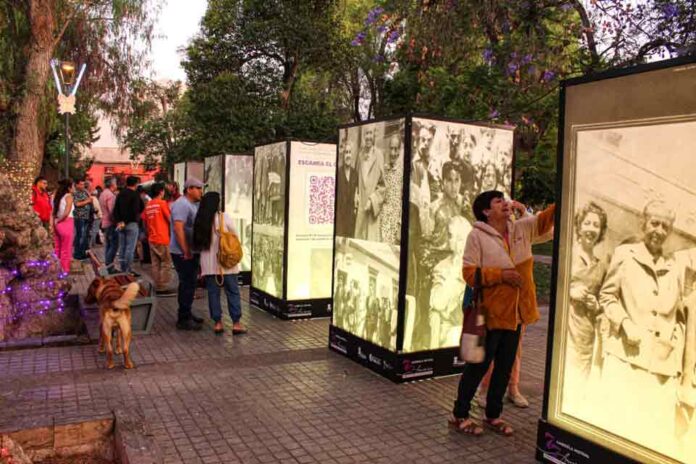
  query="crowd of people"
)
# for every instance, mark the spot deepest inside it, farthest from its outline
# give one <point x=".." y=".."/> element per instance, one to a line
<point x="163" y="227"/>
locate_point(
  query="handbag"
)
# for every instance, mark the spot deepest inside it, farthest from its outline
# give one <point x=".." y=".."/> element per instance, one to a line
<point x="472" y="346"/>
<point x="229" y="250"/>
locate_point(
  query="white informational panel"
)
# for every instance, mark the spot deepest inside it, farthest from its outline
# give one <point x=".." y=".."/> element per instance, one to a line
<point x="213" y="174"/>
<point x="310" y="220"/>
<point x="180" y="175"/>
<point x="239" y="173"/>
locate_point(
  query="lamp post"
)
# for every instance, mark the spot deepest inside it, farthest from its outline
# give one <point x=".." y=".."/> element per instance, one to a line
<point x="64" y="75"/>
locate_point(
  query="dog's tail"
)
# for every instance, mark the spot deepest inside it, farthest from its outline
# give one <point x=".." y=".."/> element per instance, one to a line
<point x="128" y="296"/>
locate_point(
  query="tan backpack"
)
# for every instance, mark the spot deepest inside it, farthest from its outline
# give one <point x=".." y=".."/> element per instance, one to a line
<point x="230" y="250"/>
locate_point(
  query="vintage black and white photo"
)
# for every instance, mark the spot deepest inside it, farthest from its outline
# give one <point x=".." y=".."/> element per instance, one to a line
<point x="366" y="290"/>
<point x="213" y="174"/>
<point x="269" y="188"/>
<point x="451" y="163"/>
<point x="239" y="173"/>
<point x="267" y="261"/>
<point x="628" y="364"/>
<point x="370" y="182"/>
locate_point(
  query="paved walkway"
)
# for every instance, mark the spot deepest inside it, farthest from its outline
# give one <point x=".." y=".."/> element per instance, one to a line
<point x="276" y="394"/>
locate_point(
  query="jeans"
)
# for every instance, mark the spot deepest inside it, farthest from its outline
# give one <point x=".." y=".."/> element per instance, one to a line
<point x="110" y="244"/>
<point x="234" y="302"/>
<point x="501" y="346"/>
<point x="81" y="238"/>
<point x="187" y="270"/>
<point x="128" y="236"/>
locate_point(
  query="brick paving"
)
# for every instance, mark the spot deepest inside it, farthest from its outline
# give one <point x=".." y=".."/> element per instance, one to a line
<point x="275" y="395"/>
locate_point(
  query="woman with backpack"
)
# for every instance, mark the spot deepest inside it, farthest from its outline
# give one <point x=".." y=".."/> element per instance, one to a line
<point x="217" y="240"/>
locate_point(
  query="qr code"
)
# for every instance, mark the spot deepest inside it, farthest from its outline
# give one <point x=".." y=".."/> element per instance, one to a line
<point x="321" y="199"/>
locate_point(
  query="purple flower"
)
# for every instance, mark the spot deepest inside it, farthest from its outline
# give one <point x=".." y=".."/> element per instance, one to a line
<point x="526" y="59"/>
<point x="359" y="39"/>
<point x="373" y="15"/>
<point x="488" y="55"/>
<point x="512" y="68"/>
<point x="494" y="114"/>
<point x="378" y="58"/>
<point x="532" y="70"/>
<point x="548" y="76"/>
<point x="381" y="29"/>
<point x="670" y="10"/>
<point x="393" y="36"/>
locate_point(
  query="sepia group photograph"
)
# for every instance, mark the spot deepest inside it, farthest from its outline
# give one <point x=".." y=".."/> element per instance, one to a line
<point x="239" y="173"/>
<point x="629" y="296"/>
<point x="269" y="184"/>
<point x="451" y="163"/>
<point x="213" y="174"/>
<point x="366" y="290"/>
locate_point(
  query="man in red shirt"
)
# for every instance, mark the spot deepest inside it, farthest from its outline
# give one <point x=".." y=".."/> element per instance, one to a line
<point x="41" y="201"/>
<point x="156" y="218"/>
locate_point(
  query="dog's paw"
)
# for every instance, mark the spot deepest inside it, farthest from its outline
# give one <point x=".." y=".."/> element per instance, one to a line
<point x="110" y="365"/>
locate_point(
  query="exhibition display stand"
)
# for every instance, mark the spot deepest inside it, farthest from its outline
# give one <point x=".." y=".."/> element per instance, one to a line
<point x="232" y="177"/>
<point x="621" y="356"/>
<point x="183" y="171"/>
<point x="292" y="228"/>
<point x="404" y="189"/>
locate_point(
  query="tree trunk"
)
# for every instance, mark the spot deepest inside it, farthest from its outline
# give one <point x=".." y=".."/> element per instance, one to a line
<point x="26" y="153"/>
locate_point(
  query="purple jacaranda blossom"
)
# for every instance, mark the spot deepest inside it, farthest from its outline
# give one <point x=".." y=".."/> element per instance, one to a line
<point x="670" y="10"/>
<point x="393" y="36"/>
<point x="378" y="58"/>
<point x="488" y="55"/>
<point x="381" y="29"/>
<point x="359" y="39"/>
<point x="526" y="59"/>
<point x="494" y="114"/>
<point x="548" y="76"/>
<point x="373" y="15"/>
<point x="566" y="6"/>
<point x="512" y="68"/>
<point x="532" y="70"/>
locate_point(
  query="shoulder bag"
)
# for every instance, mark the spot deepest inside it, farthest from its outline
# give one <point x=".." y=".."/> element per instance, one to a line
<point x="472" y="347"/>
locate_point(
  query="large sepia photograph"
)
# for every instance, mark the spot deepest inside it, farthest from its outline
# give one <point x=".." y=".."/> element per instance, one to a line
<point x="213" y="174"/>
<point x="180" y="175"/>
<point x="269" y="218"/>
<point x="369" y="192"/>
<point x="239" y="174"/>
<point x="366" y="290"/>
<point x="451" y="163"/>
<point x="628" y="303"/>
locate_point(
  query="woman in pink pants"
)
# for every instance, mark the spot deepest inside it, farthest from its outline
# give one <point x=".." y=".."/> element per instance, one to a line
<point x="63" y="223"/>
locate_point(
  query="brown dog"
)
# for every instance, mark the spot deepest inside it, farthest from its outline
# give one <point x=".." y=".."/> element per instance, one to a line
<point x="114" y="314"/>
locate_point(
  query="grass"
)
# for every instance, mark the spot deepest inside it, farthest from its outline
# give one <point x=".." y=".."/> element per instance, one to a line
<point x="542" y="278"/>
<point x="545" y="248"/>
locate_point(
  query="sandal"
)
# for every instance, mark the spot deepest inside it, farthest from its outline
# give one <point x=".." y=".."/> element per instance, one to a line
<point x="467" y="426"/>
<point x="499" y="426"/>
<point x="219" y="329"/>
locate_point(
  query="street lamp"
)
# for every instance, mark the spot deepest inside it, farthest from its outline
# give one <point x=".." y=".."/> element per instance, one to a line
<point x="64" y="75"/>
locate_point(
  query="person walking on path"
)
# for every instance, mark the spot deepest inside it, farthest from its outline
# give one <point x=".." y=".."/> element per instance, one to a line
<point x="502" y="250"/>
<point x="64" y="223"/>
<point x="83" y="210"/>
<point x="41" y="202"/>
<point x="183" y="215"/>
<point x="107" y="201"/>
<point x="206" y="239"/>
<point x="127" y="210"/>
<point x="95" y="221"/>
<point x="156" y="217"/>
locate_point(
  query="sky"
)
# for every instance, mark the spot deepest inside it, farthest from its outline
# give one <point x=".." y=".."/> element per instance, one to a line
<point x="178" y="23"/>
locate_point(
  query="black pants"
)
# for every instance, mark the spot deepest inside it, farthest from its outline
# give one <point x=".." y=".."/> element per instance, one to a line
<point x="187" y="271"/>
<point x="501" y="347"/>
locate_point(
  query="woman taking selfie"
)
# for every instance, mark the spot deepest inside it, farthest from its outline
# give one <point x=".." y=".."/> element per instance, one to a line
<point x="206" y="240"/>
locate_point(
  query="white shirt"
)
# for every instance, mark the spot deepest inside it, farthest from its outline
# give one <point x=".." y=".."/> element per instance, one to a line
<point x="62" y="205"/>
<point x="209" y="261"/>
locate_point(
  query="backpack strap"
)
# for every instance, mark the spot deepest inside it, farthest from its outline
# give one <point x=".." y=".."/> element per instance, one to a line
<point x="220" y="278"/>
